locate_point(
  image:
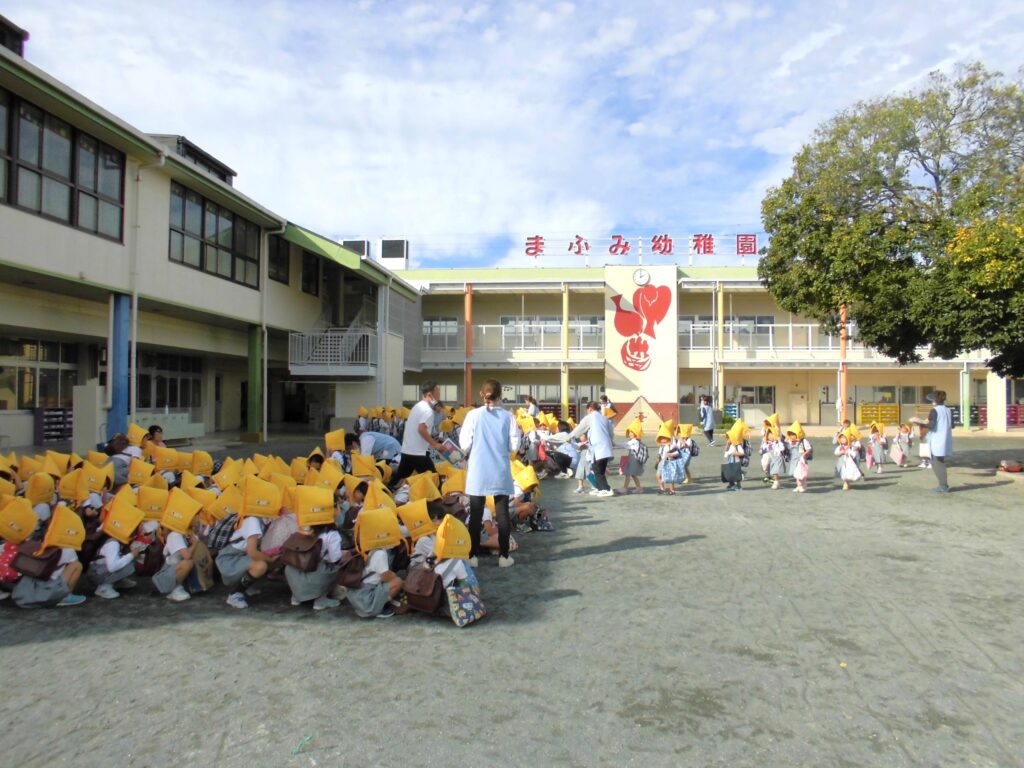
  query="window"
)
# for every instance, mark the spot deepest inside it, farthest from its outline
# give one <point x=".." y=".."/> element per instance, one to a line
<point x="440" y="326"/>
<point x="310" y="273"/>
<point x="49" y="168"/>
<point x="750" y="395"/>
<point x="209" y="237"/>
<point x="37" y="374"/>
<point x="279" y="259"/>
<point x="169" y="381"/>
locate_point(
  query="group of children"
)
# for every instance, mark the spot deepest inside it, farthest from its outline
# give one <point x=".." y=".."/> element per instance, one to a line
<point x="329" y="525"/>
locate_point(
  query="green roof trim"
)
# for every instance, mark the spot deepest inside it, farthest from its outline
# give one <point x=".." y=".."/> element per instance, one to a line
<point x="31" y="79"/>
<point x="339" y="254"/>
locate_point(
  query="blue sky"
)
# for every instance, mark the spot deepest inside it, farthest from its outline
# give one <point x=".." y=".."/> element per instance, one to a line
<point x="467" y="126"/>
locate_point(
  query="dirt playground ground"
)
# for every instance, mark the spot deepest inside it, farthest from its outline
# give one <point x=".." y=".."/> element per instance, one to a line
<point x="878" y="627"/>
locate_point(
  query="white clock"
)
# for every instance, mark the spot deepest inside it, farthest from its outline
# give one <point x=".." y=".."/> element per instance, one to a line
<point x="641" y="277"/>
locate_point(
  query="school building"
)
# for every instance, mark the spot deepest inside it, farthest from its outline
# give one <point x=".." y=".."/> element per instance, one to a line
<point x="137" y="283"/>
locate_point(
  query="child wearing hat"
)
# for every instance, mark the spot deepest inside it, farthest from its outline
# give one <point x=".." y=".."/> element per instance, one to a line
<point x="377" y="530"/>
<point x="901" y="446"/>
<point x="65" y="532"/>
<point x="737" y="451"/>
<point x="847" y="454"/>
<point x="314" y="510"/>
<point x="800" y="453"/>
<point x="633" y="466"/>
<point x="115" y="560"/>
<point x="688" y="448"/>
<point x="876" y="446"/>
<point x="177" y="531"/>
<point x="671" y="467"/>
<point x="241" y="563"/>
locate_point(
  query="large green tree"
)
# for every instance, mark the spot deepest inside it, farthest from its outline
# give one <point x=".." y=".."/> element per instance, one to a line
<point x="908" y="210"/>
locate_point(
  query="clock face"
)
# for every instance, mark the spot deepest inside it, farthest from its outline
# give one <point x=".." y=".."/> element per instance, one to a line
<point x="641" y="277"/>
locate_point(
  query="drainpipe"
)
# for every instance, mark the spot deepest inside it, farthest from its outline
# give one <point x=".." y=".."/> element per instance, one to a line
<point x="133" y="275"/>
<point x="264" y="278"/>
<point x="108" y="400"/>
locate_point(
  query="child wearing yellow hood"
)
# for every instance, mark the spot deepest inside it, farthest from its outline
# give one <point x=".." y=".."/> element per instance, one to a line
<point x="800" y="453"/>
<point x="737" y="452"/>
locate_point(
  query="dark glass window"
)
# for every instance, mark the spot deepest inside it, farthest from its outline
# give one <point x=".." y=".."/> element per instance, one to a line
<point x="49" y="168"/>
<point x="206" y="236"/>
<point x="279" y="263"/>
<point x="311" y="273"/>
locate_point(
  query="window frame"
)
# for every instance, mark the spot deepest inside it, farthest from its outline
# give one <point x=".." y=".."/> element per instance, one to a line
<point x="308" y="257"/>
<point x="278" y="250"/>
<point x="213" y="252"/>
<point x="18" y="169"/>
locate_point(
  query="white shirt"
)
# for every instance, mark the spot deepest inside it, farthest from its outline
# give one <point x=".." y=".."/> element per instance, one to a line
<point x="112" y="557"/>
<point x="450" y="571"/>
<point x="413" y="443"/>
<point x="424" y="548"/>
<point x="376" y="564"/>
<point x="42" y="511"/>
<point x="67" y="555"/>
<point x="251" y="526"/>
<point x="175" y="544"/>
<point x="330" y="547"/>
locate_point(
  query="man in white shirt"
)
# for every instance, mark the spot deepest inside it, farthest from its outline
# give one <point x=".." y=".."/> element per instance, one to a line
<point x="417" y="438"/>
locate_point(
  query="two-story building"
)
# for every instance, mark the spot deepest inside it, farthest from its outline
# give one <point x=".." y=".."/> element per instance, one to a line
<point x="132" y="269"/>
<point x="670" y="334"/>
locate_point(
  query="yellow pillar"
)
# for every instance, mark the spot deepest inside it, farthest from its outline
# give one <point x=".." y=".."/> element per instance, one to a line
<point x="564" y="377"/>
<point x="720" y="395"/>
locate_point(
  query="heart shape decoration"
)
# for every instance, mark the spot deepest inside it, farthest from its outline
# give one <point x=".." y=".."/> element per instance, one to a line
<point x="653" y="303"/>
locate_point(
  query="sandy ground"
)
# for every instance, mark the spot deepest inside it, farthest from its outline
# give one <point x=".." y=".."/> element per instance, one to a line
<point x="879" y="627"/>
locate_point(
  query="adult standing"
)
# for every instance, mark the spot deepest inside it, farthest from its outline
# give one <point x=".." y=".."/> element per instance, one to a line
<point x="600" y="434"/>
<point x="417" y="439"/>
<point x="707" y="419"/>
<point x="487" y="437"/>
<point x="940" y="438"/>
<point x="532" y="409"/>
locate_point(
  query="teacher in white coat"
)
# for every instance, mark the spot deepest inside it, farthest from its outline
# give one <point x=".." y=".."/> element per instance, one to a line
<point x="600" y="434"/>
<point x="488" y="437"/>
<point x="940" y="438"/>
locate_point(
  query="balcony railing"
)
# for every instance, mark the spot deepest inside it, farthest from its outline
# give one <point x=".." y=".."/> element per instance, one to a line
<point x="517" y="338"/>
<point x="336" y="350"/>
<point x="769" y="337"/>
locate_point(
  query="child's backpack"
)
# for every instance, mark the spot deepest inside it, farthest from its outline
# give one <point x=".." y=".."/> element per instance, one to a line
<point x="694" y="449"/>
<point x="642" y="453"/>
<point x="745" y="460"/>
<point x="786" y="453"/>
<point x="220" y="533"/>
<point x="808" y="448"/>
<point x="424" y="589"/>
<point x="350" y="570"/>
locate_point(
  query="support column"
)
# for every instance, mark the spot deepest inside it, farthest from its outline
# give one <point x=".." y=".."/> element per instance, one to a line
<point x="843" y="372"/>
<point x="117" y="366"/>
<point x="995" y="402"/>
<point x="965" y="395"/>
<point x="564" y="377"/>
<point x="467" y="396"/>
<point x="254" y="404"/>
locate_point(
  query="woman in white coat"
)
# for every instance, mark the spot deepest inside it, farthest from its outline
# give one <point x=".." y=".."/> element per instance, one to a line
<point x="487" y="436"/>
<point x="600" y="434"/>
<point x="940" y="438"/>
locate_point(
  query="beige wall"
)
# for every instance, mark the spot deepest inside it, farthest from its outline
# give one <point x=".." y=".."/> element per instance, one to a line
<point x="645" y="363"/>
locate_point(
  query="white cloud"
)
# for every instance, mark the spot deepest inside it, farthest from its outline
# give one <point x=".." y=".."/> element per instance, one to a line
<point x="461" y="124"/>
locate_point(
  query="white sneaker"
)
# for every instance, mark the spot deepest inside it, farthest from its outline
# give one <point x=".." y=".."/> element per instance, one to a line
<point x="578" y="490"/>
<point x="542" y="474"/>
<point x="595" y="492"/>
<point x="606" y="494"/>
<point x="107" y="592"/>
<point x="296" y="603"/>
<point x="473" y="562"/>
<point x="4" y="595"/>
<point x="506" y="562"/>
<point x="775" y="485"/>
<point x="237" y="600"/>
<point x="323" y="603"/>
<point x="179" y="594"/>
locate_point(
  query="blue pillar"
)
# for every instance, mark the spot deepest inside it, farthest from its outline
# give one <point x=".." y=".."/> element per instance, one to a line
<point x="117" y="366"/>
